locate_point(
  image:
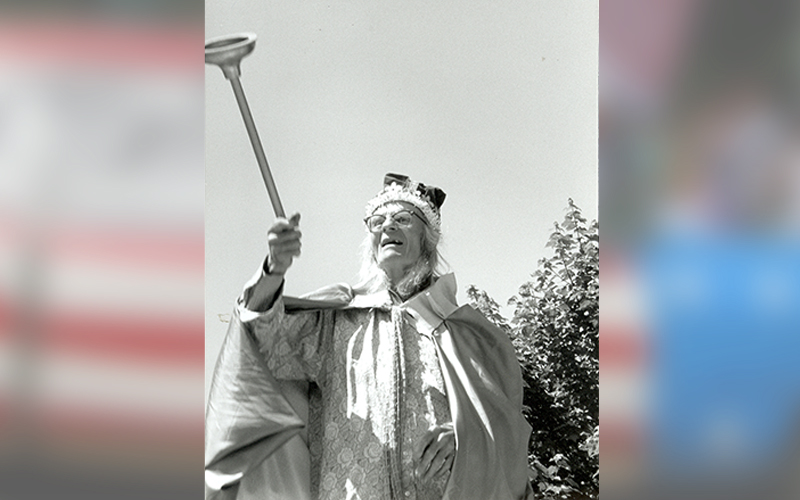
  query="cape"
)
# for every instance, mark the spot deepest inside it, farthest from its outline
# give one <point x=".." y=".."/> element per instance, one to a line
<point x="255" y="446"/>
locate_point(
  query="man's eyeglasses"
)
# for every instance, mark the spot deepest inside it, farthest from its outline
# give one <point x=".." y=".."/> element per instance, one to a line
<point x="402" y="219"/>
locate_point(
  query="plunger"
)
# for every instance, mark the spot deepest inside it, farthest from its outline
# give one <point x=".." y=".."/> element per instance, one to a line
<point x="226" y="52"/>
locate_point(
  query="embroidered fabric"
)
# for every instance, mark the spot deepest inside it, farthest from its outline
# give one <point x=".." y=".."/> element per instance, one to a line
<point x="250" y="415"/>
<point x="381" y="389"/>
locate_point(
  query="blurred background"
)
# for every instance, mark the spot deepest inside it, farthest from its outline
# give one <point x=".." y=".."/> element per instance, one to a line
<point x="700" y="254"/>
<point x="101" y="249"/>
<point x="494" y="102"/>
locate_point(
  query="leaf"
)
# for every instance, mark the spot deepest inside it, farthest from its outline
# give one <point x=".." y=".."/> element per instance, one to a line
<point x="554" y="330"/>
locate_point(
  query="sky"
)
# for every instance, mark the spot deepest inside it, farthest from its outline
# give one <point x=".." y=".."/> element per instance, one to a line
<point x="494" y="103"/>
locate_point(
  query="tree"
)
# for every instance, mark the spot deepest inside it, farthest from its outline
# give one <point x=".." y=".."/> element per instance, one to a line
<point x="555" y="333"/>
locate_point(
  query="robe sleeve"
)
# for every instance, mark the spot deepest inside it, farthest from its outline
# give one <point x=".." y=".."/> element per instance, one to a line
<point x="248" y="417"/>
<point x="484" y="386"/>
<point x="291" y="342"/>
<point x="257" y="406"/>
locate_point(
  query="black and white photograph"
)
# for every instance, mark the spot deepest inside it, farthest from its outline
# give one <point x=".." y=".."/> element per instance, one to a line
<point x="401" y="250"/>
<point x="351" y="249"/>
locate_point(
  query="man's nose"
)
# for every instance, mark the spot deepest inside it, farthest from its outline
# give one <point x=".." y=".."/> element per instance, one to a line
<point x="389" y="223"/>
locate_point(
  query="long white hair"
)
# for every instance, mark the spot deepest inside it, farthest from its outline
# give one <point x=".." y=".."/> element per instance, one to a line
<point x="430" y="265"/>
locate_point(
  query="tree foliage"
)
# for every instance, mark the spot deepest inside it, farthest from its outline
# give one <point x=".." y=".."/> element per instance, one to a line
<point x="555" y="333"/>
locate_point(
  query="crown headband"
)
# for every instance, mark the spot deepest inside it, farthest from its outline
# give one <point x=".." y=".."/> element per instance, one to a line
<point x="427" y="199"/>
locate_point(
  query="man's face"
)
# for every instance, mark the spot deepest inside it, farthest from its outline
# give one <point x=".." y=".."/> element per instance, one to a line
<point x="397" y="248"/>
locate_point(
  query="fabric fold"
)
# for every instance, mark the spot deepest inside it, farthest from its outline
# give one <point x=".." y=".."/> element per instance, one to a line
<point x="485" y="393"/>
<point x="249" y="418"/>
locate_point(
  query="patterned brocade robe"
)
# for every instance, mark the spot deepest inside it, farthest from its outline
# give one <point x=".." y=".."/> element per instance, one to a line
<point x="381" y="374"/>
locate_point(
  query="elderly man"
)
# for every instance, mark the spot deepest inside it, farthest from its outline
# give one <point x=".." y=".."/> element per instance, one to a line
<point x="385" y="390"/>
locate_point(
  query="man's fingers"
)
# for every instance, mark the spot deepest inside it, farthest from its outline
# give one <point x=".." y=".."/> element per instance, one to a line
<point x="286" y="254"/>
<point x="287" y="224"/>
<point x="280" y="237"/>
<point x="438" y="453"/>
<point x="284" y="240"/>
<point x="285" y="249"/>
<point x="423" y="443"/>
<point x="438" y="465"/>
<point x="283" y="227"/>
<point x="426" y="450"/>
<point x="446" y="466"/>
<point x="434" y="466"/>
<point x="282" y="224"/>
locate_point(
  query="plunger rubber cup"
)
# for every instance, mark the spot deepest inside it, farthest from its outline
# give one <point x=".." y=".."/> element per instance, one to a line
<point x="226" y="52"/>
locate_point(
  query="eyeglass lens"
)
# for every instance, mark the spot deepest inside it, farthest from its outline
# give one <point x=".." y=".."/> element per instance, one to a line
<point x="402" y="218"/>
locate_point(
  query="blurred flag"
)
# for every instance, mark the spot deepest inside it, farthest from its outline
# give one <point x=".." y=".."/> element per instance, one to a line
<point x="101" y="256"/>
<point x="700" y="182"/>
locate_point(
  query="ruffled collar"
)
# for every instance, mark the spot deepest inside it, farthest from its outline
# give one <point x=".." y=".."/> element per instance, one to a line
<point x="427" y="309"/>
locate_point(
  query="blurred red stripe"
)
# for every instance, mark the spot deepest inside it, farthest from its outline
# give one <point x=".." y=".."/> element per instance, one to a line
<point x="618" y="437"/>
<point x="152" y="250"/>
<point x="621" y="348"/>
<point x="103" y="42"/>
<point x="6" y="316"/>
<point x="144" y="339"/>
